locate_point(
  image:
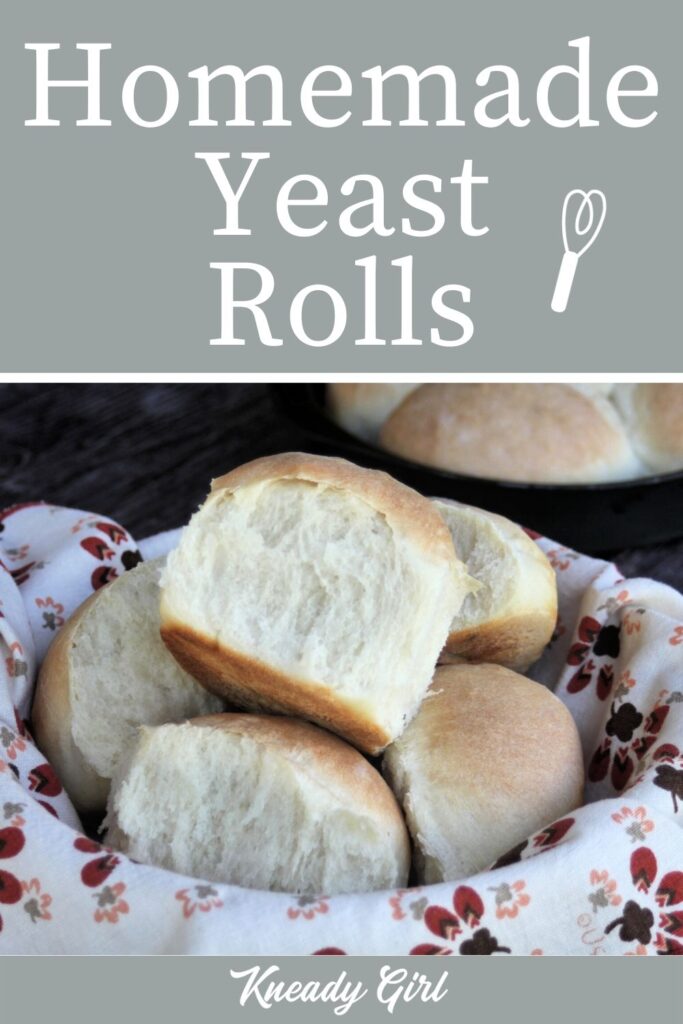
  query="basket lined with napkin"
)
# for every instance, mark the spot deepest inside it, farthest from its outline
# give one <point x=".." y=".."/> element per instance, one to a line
<point x="606" y="879"/>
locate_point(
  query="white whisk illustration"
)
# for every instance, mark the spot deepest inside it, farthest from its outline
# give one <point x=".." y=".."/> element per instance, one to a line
<point x="588" y="220"/>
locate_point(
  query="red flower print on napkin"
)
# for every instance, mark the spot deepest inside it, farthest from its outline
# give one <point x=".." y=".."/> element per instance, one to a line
<point x="637" y="922"/>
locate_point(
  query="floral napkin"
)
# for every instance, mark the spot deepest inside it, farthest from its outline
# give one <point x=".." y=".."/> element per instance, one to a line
<point x="606" y="879"/>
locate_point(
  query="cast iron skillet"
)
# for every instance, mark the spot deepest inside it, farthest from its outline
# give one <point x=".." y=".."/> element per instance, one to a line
<point x="589" y="517"/>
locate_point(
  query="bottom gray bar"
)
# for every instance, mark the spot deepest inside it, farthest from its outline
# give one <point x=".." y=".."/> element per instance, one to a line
<point x="534" y="990"/>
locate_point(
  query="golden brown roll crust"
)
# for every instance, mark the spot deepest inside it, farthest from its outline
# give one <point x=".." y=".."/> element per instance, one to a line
<point x="544" y="433"/>
<point x="490" y="758"/>
<point x="514" y="642"/>
<point x="248" y="683"/>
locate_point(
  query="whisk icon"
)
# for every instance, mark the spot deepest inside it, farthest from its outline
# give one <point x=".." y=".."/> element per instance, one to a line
<point x="588" y="219"/>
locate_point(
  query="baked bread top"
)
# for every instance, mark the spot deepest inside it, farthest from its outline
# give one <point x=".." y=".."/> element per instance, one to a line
<point x="490" y="758"/>
<point x="545" y="433"/>
<point x="654" y="418"/>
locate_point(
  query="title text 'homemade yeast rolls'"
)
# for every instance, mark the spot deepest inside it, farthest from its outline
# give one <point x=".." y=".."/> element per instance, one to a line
<point x="259" y="801"/>
<point x="510" y="616"/>
<point x="489" y="759"/>
<point x="537" y="433"/>
<point x="309" y="586"/>
<point x="105" y="673"/>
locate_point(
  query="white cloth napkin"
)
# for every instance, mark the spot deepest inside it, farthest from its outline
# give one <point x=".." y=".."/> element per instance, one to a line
<point x="607" y="878"/>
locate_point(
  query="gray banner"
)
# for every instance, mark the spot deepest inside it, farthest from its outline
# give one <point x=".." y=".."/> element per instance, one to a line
<point x="535" y="990"/>
<point x="107" y="232"/>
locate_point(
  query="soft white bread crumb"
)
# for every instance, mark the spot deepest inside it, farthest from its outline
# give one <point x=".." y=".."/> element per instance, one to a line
<point x="313" y="587"/>
<point x="261" y="802"/>
<point x="510" y="616"/>
<point x="487" y="761"/>
<point x="106" y="673"/>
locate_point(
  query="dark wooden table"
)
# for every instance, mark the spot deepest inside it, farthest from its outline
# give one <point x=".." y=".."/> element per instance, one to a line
<point x="145" y="453"/>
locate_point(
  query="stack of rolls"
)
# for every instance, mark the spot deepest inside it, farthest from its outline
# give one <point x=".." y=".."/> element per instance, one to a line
<point x="556" y="433"/>
<point x="225" y="709"/>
